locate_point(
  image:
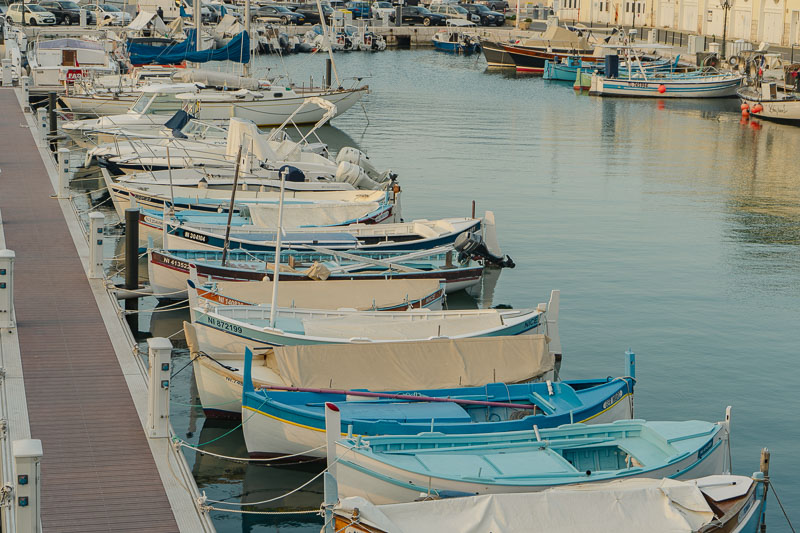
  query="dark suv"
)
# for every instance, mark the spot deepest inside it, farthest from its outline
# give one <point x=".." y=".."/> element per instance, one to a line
<point x="418" y="14"/>
<point x="66" y="12"/>
<point x="488" y="17"/>
<point x="311" y="13"/>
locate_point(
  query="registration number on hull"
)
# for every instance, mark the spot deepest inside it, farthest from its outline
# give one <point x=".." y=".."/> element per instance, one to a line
<point x="221" y="324"/>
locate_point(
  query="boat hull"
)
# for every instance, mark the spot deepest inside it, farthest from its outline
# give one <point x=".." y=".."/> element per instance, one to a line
<point x="531" y="60"/>
<point x="382" y="483"/>
<point x="496" y="56"/>
<point x="455" y="48"/>
<point x="168" y="275"/>
<point x="714" y="87"/>
<point x="786" y="111"/>
<point x="267" y="434"/>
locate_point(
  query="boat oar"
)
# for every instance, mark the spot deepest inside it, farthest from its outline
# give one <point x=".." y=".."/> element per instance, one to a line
<point x="408" y="397"/>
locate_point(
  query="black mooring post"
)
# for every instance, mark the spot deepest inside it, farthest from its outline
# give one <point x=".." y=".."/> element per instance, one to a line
<point x="51" y="115"/>
<point x="132" y="265"/>
<point x="328" y="74"/>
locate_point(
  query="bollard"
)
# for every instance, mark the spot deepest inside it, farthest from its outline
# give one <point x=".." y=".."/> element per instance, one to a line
<point x="8" y="73"/>
<point x="7" y="289"/>
<point x="25" y="83"/>
<point x="41" y="121"/>
<point x="159" y="351"/>
<point x="63" y="174"/>
<point x="630" y="364"/>
<point x="96" y="226"/>
<point x="83" y="18"/>
<point x="27" y="489"/>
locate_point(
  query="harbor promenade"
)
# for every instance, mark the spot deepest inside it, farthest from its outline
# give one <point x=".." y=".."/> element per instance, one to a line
<point x="99" y="471"/>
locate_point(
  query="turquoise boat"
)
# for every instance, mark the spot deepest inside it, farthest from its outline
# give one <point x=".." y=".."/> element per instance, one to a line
<point x="398" y="469"/>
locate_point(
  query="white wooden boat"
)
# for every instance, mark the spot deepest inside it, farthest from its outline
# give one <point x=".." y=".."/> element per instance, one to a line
<point x="780" y="106"/>
<point x="711" y="504"/>
<point x="231" y="329"/>
<point x="385" y="366"/>
<point x="667" y="86"/>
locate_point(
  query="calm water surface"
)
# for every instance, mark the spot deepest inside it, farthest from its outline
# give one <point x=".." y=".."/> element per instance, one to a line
<point x="669" y="227"/>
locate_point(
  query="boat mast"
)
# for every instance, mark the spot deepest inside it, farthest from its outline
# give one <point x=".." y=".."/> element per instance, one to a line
<point x="276" y="269"/>
<point x="246" y="67"/>
<point x="327" y="41"/>
<point x="197" y="24"/>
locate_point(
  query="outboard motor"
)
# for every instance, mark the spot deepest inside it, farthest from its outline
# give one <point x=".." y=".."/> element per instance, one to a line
<point x="357" y="177"/>
<point x="469" y="244"/>
<point x="357" y="157"/>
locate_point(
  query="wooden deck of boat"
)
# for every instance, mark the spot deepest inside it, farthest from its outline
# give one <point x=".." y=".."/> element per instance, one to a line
<point x="98" y="473"/>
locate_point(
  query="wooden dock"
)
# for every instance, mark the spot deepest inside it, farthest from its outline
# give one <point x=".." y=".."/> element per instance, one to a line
<point x="99" y="470"/>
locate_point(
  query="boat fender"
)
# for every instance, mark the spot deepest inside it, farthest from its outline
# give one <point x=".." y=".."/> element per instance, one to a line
<point x="662" y="88"/>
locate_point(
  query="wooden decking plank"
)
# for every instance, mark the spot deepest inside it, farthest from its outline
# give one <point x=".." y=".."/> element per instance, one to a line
<point x="78" y="400"/>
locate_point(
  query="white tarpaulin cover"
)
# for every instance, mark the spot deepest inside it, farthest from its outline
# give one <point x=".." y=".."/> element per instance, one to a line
<point x="144" y="18"/>
<point x="630" y="506"/>
<point x="349" y="327"/>
<point x="310" y="214"/>
<point x="331" y="294"/>
<point x="435" y="364"/>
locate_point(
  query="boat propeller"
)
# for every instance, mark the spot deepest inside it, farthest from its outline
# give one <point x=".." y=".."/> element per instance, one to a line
<point x="469" y="244"/>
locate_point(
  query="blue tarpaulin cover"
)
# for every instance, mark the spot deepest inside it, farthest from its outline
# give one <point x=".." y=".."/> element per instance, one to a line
<point x="238" y="49"/>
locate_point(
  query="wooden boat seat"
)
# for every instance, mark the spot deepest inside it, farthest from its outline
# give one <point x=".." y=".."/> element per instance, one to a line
<point x="405" y="412"/>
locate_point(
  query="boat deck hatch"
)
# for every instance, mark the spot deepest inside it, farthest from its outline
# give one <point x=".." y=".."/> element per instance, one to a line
<point x="597" y="458"/>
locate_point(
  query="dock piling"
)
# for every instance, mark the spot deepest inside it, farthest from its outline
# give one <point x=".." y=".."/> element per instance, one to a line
<point x="328" y="75"/>
<point x="132" y="264"/>
<point x="159" y="352"/>
<point x="96" y="228"/>
<point x="51" y="113"/>
<point x="63" y="173"/>
<point x="7" y="288"/>
<point x="27" y="466"/>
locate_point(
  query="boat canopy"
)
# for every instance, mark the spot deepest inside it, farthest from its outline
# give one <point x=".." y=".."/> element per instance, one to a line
<point x="67" y="43"/>
<point x="238" y="50"/>
<point x="146" y="17"/>
<point x="649" y="505"/>
<point x="430" y="364"/>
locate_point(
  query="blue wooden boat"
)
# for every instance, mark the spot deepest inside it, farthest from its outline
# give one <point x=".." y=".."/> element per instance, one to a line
<point x="397" y="469"/>
<point x="456" y="38"/>
<point x="567" y="69"/>
<point x="278" y="422"/>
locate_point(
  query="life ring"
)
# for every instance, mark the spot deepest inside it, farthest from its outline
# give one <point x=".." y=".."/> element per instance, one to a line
<point x="734" y="61"/>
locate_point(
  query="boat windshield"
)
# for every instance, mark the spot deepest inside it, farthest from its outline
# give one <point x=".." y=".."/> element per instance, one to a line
<point x="141" y="103"/>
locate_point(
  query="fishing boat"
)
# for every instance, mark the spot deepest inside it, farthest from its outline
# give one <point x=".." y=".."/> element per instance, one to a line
<point x="458" y="37"/>
<point x="639" y="82"/>
<point x="567" y="68"/>
<point x="168" y="270"/>
<point x="771" y="104"/>
<point x="735" y="504"/>
<point x="397" y="236"/>
<point x="291" y="420"/>
<point x="398" y="469"/>
<point x="159" y="196"/>
<point x="385" y="366"/>
<point x="360" y="295"/>
<point x="231" y="329"/>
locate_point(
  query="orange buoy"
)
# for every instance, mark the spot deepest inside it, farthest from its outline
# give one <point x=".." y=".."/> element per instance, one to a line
<point x="757" y="108"/>
<point x="745" y="106"/>
<point x="662" y="89"/>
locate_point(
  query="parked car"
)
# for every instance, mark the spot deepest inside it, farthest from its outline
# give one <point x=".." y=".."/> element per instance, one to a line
<point x="420" y="15"/>
<point x="282" y="14"/>
<point x="66" y="11"/>
<point x="488" y="17"/>
<point x="359" y="9"/>
<point x="311" y="13"/>
<point x="454" y="11"/>
<point x="495" y="5"/>
<point x="108" y="14"/>
<point x="382" y="9"/>
<point x="33" y="14"/>
<point x="214" y="14"/>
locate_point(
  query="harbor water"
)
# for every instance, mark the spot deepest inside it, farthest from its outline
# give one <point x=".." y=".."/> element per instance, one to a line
<point x="671" y="228"/>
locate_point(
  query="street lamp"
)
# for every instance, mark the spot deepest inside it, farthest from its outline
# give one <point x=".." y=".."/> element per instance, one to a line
<point x="726" y="5"/>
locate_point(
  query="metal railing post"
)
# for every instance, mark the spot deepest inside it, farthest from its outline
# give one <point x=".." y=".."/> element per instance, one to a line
<point x="96" y="227"/>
